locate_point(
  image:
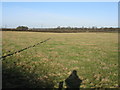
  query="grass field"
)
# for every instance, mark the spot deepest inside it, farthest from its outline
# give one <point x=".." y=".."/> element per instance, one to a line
<point x="93" y="55"/>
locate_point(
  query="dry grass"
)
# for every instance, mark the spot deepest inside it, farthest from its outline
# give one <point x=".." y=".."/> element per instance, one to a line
<point x="93" y="55"/>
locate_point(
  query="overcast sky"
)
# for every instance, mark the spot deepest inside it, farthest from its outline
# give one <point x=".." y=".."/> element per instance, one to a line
<point x="53" y="14"/>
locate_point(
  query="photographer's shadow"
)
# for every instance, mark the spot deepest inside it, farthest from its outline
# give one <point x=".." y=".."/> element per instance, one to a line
<point x="72" y="82"/>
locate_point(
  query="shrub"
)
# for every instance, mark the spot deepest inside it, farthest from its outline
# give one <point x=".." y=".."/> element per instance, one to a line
<point x="22" y="28"/>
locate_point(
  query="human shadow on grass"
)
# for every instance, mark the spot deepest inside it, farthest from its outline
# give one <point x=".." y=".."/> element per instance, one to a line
<point x="16" y="77"/>
<point x="73" y="82"/>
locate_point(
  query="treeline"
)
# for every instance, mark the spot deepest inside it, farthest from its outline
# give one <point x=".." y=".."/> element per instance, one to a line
<point x="64" y="29"/>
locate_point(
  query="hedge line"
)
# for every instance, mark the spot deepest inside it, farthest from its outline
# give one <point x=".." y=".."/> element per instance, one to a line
<point x="74" y="30"/>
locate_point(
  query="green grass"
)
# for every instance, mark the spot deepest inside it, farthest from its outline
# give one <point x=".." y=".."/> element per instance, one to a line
<point x="93" y="55"/>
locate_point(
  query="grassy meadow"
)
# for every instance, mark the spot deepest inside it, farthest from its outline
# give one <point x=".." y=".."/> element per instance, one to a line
<point x="93" y="55"/>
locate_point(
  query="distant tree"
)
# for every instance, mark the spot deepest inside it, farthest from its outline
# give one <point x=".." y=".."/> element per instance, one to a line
<point x="58" y="27"/>
<point x="68" y="27"/>
<point x="82" y="27"/>
<point x="94" y="27"/>
<point x="22" y="28"/>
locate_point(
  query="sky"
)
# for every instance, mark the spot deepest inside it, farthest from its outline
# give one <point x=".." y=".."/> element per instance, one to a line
<point x="60" y="0"/>
<point x="64" y="14"/>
